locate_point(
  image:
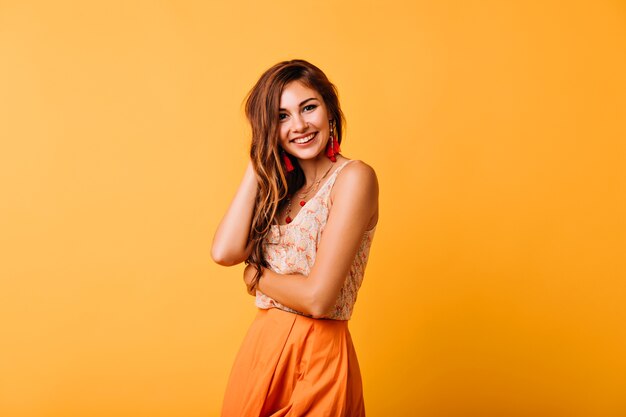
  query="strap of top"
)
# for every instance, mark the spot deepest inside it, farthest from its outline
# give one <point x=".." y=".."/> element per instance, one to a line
<point x="333" y="177"/>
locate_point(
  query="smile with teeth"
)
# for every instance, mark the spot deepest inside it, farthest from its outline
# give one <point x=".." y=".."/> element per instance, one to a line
<point x="304" y="139"/>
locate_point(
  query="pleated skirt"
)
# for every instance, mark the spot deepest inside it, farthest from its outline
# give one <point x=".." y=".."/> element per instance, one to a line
<point x="293" y="365"/>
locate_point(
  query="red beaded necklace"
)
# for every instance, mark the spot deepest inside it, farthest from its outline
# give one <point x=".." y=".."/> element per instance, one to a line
<point x="303" y="196"/>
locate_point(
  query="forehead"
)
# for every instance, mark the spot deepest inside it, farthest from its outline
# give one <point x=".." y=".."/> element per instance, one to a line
<point x="295" y="92"/>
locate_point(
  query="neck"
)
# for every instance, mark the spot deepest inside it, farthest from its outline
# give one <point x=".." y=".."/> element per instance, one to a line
<point x="314" y="168"/>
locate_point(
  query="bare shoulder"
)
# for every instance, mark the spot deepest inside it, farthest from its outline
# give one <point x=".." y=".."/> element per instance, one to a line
<point x="357" y="179"/>
<point x="356" y="191"/>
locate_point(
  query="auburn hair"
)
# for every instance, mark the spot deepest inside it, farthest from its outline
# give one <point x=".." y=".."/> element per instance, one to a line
<point x="274" y="182"/>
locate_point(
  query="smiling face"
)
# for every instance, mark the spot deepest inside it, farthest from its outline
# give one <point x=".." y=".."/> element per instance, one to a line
<point x="304" y="123"/>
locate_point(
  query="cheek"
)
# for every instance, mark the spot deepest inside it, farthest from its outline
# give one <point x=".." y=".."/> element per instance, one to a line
<point x="283" y="132"/>
<point x="321" y="120"/>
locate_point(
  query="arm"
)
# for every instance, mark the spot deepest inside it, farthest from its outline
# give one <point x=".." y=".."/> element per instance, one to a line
<point x="354" y="205"/>
<point x="230" y="243"/>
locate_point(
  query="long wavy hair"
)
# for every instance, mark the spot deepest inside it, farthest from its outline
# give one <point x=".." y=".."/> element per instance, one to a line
<point x="274" y="182"/>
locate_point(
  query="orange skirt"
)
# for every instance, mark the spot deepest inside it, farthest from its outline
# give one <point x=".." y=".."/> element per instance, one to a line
<point x="293" y="365"/>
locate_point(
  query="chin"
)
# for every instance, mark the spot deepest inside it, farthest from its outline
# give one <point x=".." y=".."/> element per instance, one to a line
<point x="307" y="155"/>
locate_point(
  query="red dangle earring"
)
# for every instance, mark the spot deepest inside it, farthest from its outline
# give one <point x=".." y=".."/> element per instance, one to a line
<point x="287" y="161"/>
<point x="332" y="148"/>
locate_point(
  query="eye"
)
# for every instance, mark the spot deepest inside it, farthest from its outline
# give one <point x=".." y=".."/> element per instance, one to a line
<point x="309" y="107"/>
<point x="282" y="116"/>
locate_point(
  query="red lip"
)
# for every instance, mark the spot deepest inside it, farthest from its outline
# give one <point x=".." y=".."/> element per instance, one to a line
<point x="303" y="136"/>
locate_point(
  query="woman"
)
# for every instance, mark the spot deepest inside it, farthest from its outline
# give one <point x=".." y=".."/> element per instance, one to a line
<point x="303" y="220"/>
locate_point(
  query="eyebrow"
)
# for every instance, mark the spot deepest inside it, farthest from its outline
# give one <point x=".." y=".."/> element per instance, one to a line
<point x="301" y="103"/>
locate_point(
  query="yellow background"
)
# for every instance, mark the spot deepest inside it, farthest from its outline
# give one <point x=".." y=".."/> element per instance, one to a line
<point x="497" y="128"/>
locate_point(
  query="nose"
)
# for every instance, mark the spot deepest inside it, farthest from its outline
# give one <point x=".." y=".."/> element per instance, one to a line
<point x="299" y="123"/>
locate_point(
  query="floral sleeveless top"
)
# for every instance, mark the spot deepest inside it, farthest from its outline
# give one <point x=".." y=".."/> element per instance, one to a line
<point x="291" y="249"/>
